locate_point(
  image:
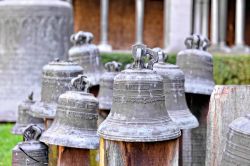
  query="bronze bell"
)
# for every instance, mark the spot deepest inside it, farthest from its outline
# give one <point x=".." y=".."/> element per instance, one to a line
<point x="31" y="151"/>
<point x="75" y="123"/>
<point x="24" y="119"/>
<point x="106" y="84"/>
<point x="86" y="55"/>
<point x="197" y="65"/>
<point x="138" y="112"/>
<point x="55" y="81"/>
<point x="173" y="80"/>
<point x="106" y="89"/>
<point x="237" y="150"/>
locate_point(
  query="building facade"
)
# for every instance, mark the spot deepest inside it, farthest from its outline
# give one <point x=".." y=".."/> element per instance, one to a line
<point x="117" y="24"/>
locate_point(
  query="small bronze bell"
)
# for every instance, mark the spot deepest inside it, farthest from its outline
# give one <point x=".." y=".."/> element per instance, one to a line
<point x="106" y="85"/>
<point x="24" y="119"/>
<point x="197" y="65"/>
<point x="106" y="89"/>
<point x="55" y="81"/>
<point x="173" y="80"/>
<point x="86" y="55"/>
<point x="75" y="123"/>
<point x="31" y="151"/>
<point x="237" y="150"/>
<point x="138" y="112"/>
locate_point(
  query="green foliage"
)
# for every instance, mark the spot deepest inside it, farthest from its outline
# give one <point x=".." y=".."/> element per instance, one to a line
<point x="7" y="142"/>
<point x="228" y="69"/>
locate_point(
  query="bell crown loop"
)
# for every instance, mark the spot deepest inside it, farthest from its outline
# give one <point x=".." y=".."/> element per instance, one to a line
<point x="162" y="57"/>
<point x="113" y="66"/>
<point x="79" y="38"/>
<point x="80" y="83"/>
<point x="198" y="42"/>
<point x="32" y="132"/>
<point x="139" y="53"/>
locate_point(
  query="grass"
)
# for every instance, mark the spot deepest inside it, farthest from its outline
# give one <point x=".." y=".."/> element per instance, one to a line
<point x="7" y="142"/>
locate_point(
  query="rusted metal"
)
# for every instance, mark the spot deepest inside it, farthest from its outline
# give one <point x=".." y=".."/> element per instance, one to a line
<point x="197" y="65"/>
<point x="31" y="151"/>
<point x="24" y="119"/>
<point x="175" y="101"/>
<point x="86" y="55"/>
<point x="138" y="112"/>
<point x="32" y="34"/>
<point x="237" y="150"/>
<point x="55" y="81"/>
<point x="75" y="123"/>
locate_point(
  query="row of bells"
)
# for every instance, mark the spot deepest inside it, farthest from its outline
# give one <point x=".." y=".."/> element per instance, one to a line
<point x="147" y="101"/>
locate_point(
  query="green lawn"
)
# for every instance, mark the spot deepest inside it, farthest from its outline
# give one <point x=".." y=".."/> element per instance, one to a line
<point x="7" y="142"/>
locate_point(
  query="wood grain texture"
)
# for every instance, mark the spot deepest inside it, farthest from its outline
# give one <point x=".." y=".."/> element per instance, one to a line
<point x="72" y="156"/>
<point x="227" y="103"/>
<point x="116" y="153"/>
<point x="194" y="140"/>
<point x="53" y="155"/>
<point x="87" y="17"/>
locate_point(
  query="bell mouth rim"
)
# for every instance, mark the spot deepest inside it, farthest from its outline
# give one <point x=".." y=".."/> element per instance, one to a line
<point x="162" y="65"/>
<point x="42" y="109"/>
<point x="139" y="132"/>
<point x="198" y="88"/>
<point x="82" y="143"/>
<point x="138" y="139"/>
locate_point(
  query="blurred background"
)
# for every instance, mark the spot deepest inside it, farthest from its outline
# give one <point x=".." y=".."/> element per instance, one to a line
<point x="117" y="25"/>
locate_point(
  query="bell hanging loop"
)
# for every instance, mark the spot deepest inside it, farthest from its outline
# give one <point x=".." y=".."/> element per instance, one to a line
<point x="162" y="57"/>
<point x="113" y="66"/>
<point x="80" y="83"/>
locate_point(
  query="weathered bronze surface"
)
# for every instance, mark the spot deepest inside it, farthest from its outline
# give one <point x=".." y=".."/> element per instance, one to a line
<point x="175" y="101"/>
<point x="237" y="150"/>
<point x="31" y="151"/>
<point x="106" y="84"/>
<point x="55" y="81"/>
<point x="75" y="123"/>
<point x="32" y="33"/>
<point x="24" y="119"/>
<point x="86" y="55"/>
<point x="197" y="65"/>
<point x="138" y="112"/>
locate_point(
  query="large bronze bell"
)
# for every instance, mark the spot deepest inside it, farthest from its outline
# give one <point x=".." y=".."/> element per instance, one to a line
<point x="86" y="55"/>
<point x="31" y="151"/>
<point x="32" y="33"/>
<point x="24" y="119"/>
<point x="75" y="123"/>
<point x="197" y="65"/>
<point x="138" y="112"/>
<point x="55" y="81"/>
<point x="173" y="80"/>
<point x="237" y="150"/>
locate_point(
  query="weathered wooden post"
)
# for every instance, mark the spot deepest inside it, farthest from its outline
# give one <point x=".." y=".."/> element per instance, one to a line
<point x="175" y="101"/>
<point x="32" y="33"/>
<point x="106" y="89"/>
<point x="138" y="130"/>
<point x="24" y="119"/>
<point x="56" y="79"/>
<point x="30" y="151"/>
<point x="75" y="125"/>
<point x="87" y="56"/>
<point x="226" y="104"/>
<point x="197" y="65"/>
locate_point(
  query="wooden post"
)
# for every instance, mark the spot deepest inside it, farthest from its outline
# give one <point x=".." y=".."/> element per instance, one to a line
<point x="227" y="104"/>
<point x="114" y="153"/>
<point x="194" y="140"/>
